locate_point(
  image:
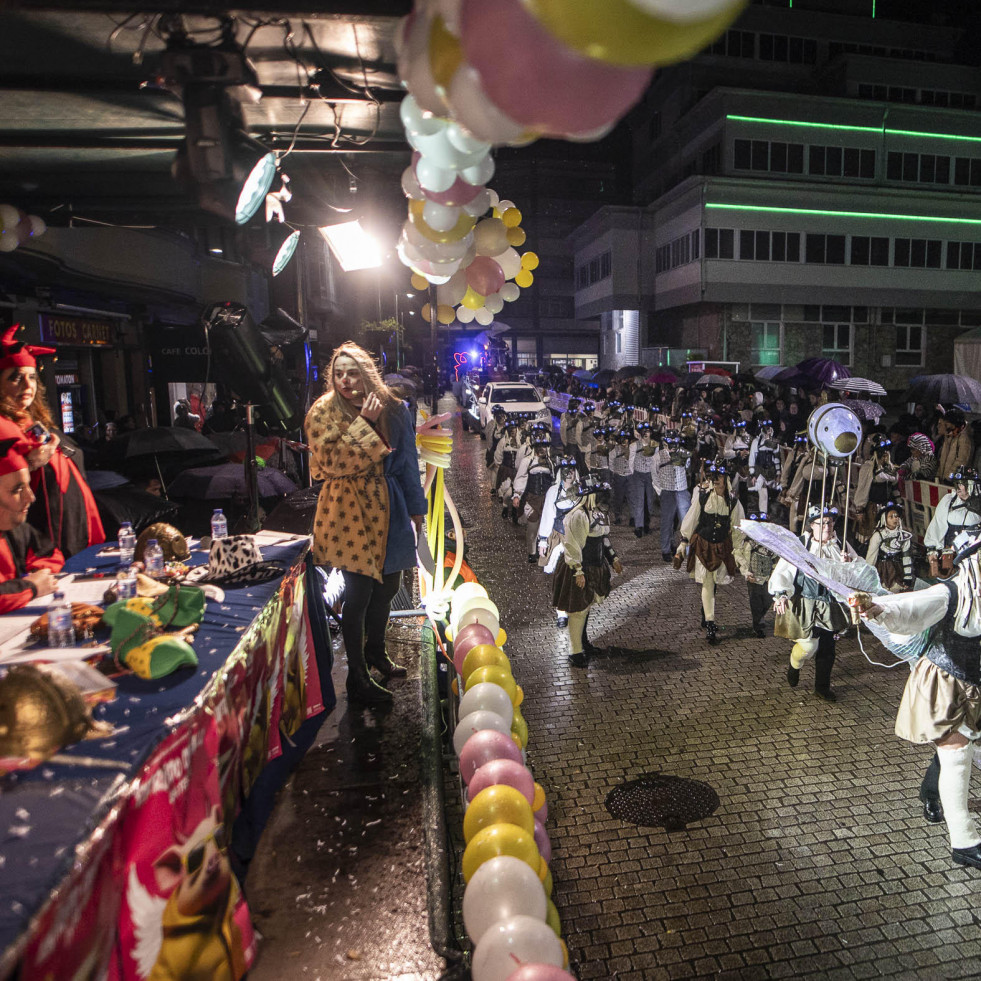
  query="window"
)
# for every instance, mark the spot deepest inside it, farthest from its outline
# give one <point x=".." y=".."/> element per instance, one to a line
<point x="964" y="255"/>
<point x="967" y="171"/>
<point x="922" y="168"/>
<point x="869" y="251"/>
<point x="917" y="253"/>
<point x="597" y="268"/>
<point x="606" y="264"/>
<point x="838" y="342"/>
<point x="909" y="345"/>
<point x="828" y="249"/>
<point x="677" y="253"/>
<point x="719" y="243"/>
<point x="766" y="343"/>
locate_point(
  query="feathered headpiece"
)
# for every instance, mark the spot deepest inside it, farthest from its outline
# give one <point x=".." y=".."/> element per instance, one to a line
<point x="16" y="354"/>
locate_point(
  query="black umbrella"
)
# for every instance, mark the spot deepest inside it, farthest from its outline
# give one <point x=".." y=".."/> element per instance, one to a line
<point x="603" y="376"/>
<point x="944" y="388"/>
<point x="167" y="442"/>
<point x="633" y="371"/>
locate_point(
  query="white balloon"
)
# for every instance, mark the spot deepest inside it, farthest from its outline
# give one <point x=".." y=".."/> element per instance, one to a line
<point x="480" y="205"/>
<point x="8" y="241"/>
<point x="470" y="254"/>
<point x="494" y="302"/>
<point x="509" y="292"/>
<point x="437" y="251"/>
<point x="592" y="135"/>
<point x="410" y="183"/>
<point x="488" y="697"/>
<point x="502" y="888"/>
<point x="683" y="11"/>
<point x="495" y="198"/>
<point x="9" y="216"/>
<point x="450" y="295"/>
<point x="484" y="317"/>
<point x="479" y="173"/>
<point x="507" y="944"/>
<point x="438" y="150"/>
<point x="433" y="177"/>
<point x="503" y="205"/>
<point x="413" y="64"/>
<point x="463" y="314"/>
<point x="472" y="109"/>
<point x="477" y="722"/>
<point x="440" y="217"/>
<point x="510" y="262"/>
<point x="436" y="280"/>
<point x="415" y="120"/>
<point x="464" y="141"/>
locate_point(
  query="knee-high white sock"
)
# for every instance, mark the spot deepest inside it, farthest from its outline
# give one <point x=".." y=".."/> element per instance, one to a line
<point x="954" y="785"/>
<point x="764" y="498"/>
<point x="708" y="597"/>
<point x="576" y="623"/>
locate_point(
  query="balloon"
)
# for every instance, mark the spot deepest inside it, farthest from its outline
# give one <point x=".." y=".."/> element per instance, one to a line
<point x="505" y="204"/>
<point x="427" y="312"/>
<point x="437" y="149"/>
<point x="8" y="241"/>
<point x="471" y="108"/>
<point x="529" y="261"/>
<point x="449" y="10"/>
<point x="478" y="722"/>
<point x="542" y="840"/>
<point x="509" y="292"/>
<point x="621" y="33"/>
<point x="464" y="141"/>
<point x="479" y="172"/>
<point x="490" y="237"/>
<point x="483" y="656"/>
<point x="459" y="194"/>
<point x="501" y="888"/>
<point x="539" y="972"/>
<point x="467" y="591"/>
<point x="505" y="773"/>
<point x="9" y="216"/>
<point x="464" y="314"/>
<point x="431" y="249"/>
<point x="494" y="303"/>
<point x="484" y="317"/>
<point x="524" y="279"/>
<point x="440" y="217"/>
<point x="412" y="42"/>
<point x="489" y="698"/>
<point x="432" y="177"/>
<point x="480" y="203"/>
<point x="418" y="282"/>
<point x="511" y="218"/>
<point x="539" y="802"/>
<point x="488" y="617"/>
<point x="445" y="314"/>
<point x="542" y="82"/>
<point x="547" y="886"/>
<point x="451" y="294"/>
<point x="516" y="237"/>
<point x="565" y="951"/>
<point x="415" y="120"/>
<point x="495" y="674"/>
<point x="499" y="839"/>
<point x="509" y="261"/>
<point x="472" y="300"/>
<point x="484" y="275"/>
<point x="519" y="728"/>
<point x="513" y="942"/>
<point x="519" y="695"/>
<point x="543" y="872"/>
<point x="484" y="746"/>
<point x="458" y="230"/>
<point x="552" y="919"/>
<point x="497" y="805"/>
<point x="444" y="52"/>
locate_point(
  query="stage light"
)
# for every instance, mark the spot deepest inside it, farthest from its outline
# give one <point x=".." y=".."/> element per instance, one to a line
<point x="352" y="246"/>
<point x="285" y="239"/>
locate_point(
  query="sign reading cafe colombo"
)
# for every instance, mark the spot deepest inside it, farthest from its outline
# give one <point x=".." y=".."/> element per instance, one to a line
<point x="75" y="331"/>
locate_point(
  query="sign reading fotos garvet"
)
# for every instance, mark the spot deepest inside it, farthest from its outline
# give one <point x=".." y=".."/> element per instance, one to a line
<point x="75" y="331"/>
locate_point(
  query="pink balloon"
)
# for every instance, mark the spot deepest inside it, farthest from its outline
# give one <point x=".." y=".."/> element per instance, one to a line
<point x="485" y="276"/>
<point x="469" y="637"/>
<point x="542" y="813"/>
<point x="505" y="772"/>
<point x="542" y="840"/>
<point x="484" y="746"/>
<point x="541" y="83"/>
<point x="459" y="194"/>
<point x="540" y="972"/>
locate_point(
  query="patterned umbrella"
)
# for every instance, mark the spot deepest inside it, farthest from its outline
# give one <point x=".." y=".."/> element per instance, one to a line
<point x="864" y="386"/>
<point x="943" y="388"/>
<point x="713" y="381"/>
<point x="823" y="370"/>
<point x="865" y="410"/>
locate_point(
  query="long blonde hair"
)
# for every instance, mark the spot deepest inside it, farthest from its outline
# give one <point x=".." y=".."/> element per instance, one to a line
<point x="339" y="407"/>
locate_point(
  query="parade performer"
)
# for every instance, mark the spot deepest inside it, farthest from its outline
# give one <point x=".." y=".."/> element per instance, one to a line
<point x="806" y="611"/>
<point x="621" y="467"/>
<point x="957" y="451"/>
<point x="560" y="499"/>
<point x="941" y="703"/>
<point x="957" y="514"/>
<point x="710" y="535"/>
<point x="764" y="464"/>
<point x="877" y="479"/>
<point x="582" y="578"/>
<point x="567" y="425"/>
<point x="506" y="464"/>
<point x="921" y="463"/>
<point x="494" y="433"/>
<point x="672" y="463"/>
<point x="640" y="484"/>
<point x="531" y="484"/>
<point x="599" y="455"/>
<point x="584" y="437"/>
<point x="891" y="549"/>
<point x="757" y="563"/>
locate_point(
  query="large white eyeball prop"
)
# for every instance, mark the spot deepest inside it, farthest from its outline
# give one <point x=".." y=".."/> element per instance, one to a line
<point x="835" y="429"/>
<point x="684" y="11"/>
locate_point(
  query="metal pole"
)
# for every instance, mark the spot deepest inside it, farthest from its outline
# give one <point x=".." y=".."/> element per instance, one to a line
<point x="434" y="367"/>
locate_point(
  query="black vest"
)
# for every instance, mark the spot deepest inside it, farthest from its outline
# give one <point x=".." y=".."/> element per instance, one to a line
<point x="949" y="650"/>
<point x="713" y="528"/>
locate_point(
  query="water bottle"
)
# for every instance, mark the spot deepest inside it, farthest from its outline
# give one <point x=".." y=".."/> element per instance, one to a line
<point x="153" y="558"/>
<point x="127" y="544"/>
<point x="126" y="584"/>
<point x="61" y="632"/>
<point x="219" y="524"/>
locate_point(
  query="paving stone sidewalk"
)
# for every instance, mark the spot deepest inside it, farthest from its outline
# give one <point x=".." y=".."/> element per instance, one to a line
<point x="817" y="862"/>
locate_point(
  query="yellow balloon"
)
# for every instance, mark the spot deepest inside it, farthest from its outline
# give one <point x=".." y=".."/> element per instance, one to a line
<point x="484" y="656"/>
<point x="427" y="311"/>
<point x="539" y="802"/>
<point x="529" y="261"/>
<point x="516" y="237"/>
<point x="419" y="282"/>
<point x="618" y="32"/>
<point x="445" y="314"/>
<point x="524" y="279"/>
<point x="498" y="804"/>
<point x="500" y="638"/>
<point x="445" y="55"/>
<point x="511" y="218"/>
<point x="520" y="695"/>
<point x="496" y="675"/>
<point x="552" y="918"/>
<point x="547" y="884"/>
<point x="565" y="953"/>
<point x="455" y="687"/>
<point x="500" y="839"/>
<point x="463" y="226"/>
<point x="519" y="728"/>
<point x="543" y="870"/>
<point x="473" y="300"/>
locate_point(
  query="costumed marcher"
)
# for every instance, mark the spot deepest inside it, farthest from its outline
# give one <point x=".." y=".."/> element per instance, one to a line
<point x="891" y="549"/>
<point x="877" y="478"/>
<point x="493" y="434"/>
<point x="710" y="534"/>
<point x="64" y="510"/>
<point x="736" y="454"/>
<point x="672" y="463"/>
<point x="27" y="566"/>
<point x="922" y="461"/>
<point x="757" y="563"/>
<point x="764" y="464"/>
<point x="957" y="451"/>
<point x="370" y="509"/>
<point x="531" y="484"/>
<point x="807" y="613"/>
<point x="582" y="578"/>
<point x="599" y="455"/>
<point x="640" y="484"/>
<point x="506" y="465"/>
<point x="812" y="471"/>
<point x="567" y="425"/>
<point x="941" y="704"/>
<point x="622" y="455"/>
<point x="584" y="437"/>
<point x="956" y="518"/>
<point x="560" y="498"/>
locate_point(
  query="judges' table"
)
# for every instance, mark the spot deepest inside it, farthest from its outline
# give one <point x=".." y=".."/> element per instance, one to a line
<point x="116" y="855"/>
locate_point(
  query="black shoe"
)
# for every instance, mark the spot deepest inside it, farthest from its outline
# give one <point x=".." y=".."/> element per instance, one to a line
<point x="369" y="695"/>
<point x="828" y="694"/>
<point x="967" y="856"/>
<point x="793" y="676"/>
<point x="758" y="630"/>
<point x="580" y="660"/>
<point x="562" y="622"/>
<point x="666" y="557"/>
<point x="504" y="512"/>
<point x="631" y="522"/>
<point x="532" y="558"/>
<point x="710" y="632"/>
<point x="933" y="811"/>
<point x="386" y="667"/>
<point x="638" y="532"/>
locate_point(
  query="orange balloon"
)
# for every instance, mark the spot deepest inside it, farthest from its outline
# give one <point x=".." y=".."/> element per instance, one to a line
<point x="445" y="314"/>
<point x="500" y="839"/>
<point x="516" y="237"/>
<point x="524" y="279"/>
<point x="497" y="676"/>
<point x="483" y="656"/>
<point x="498" y="804"/>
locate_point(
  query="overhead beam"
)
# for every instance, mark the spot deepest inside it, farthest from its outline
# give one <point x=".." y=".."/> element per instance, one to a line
<point x="85" y="140"/>
<point x="270" y="8"/>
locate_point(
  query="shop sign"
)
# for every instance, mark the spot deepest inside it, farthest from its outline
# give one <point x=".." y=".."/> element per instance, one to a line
<point x="70" y="378"/>
<point x="75" y="331"/>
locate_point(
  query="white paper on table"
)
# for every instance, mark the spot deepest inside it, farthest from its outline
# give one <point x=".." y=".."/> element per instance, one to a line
<point x="13" y="654"/>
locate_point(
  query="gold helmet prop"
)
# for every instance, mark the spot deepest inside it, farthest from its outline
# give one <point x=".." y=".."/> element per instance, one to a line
<point x="170" y="540"/>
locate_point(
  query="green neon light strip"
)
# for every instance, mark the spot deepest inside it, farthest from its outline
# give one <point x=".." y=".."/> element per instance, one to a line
<point x="841" y="214"/>
<point x="853" y="129"/>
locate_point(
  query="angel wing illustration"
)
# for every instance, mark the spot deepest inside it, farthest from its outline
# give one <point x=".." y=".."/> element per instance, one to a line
<point x="146" y="912"/>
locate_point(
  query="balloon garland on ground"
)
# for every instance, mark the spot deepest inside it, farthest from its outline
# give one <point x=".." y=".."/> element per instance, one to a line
<point x="508" y="912"/>
<point x="18" y="228"/>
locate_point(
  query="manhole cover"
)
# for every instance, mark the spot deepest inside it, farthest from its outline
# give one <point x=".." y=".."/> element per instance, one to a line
<point x="656" y="800"/>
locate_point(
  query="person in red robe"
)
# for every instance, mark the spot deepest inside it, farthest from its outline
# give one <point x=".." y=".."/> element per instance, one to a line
<point x="64" y="511"/>
<point x="26" y="567"/>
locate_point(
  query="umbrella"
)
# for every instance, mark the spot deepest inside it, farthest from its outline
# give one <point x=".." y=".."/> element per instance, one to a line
<point x="400" y="381"/>
<point x="603" y="376"/>
<point x="662" y="378"/>
<point x="823" y="370"/>
<point x="716" y="370"/>
<point x="943" y="388"/>
<point x="163" y="440"/>
<point x="582" y="374"/>
<point x="223" y="482"/>
<point x="769" y="373"/>
<point x="635" y="371"/>
<point x="713" y="381"/>
<point x="865" y="386"/>
<point x="865" y="410"/>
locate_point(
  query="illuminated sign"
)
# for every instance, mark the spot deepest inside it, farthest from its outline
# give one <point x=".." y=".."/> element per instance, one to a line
<point x="75" y="331"/>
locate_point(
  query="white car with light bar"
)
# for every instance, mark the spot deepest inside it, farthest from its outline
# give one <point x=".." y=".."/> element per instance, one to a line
<point x="513" y="396"/>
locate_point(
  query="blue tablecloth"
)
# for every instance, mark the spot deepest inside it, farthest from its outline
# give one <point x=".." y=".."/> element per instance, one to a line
<point x="46" y="812"/>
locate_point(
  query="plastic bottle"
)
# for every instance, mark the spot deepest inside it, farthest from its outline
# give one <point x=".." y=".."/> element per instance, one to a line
<point x="219" y="524"/>
<point x="127" y="544"/>
<point x="153" y="558"/>
<point x="126" y="584"/>
<point x="61" y="632"/>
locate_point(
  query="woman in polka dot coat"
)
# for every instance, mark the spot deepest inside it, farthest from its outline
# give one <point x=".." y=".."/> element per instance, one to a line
<point x="362" y="445"/>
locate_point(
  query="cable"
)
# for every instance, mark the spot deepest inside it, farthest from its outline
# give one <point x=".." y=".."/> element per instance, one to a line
<point x="296" y="132"/>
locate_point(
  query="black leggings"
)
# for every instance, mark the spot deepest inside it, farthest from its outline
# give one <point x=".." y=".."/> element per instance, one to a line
<point x="367" y="604"/>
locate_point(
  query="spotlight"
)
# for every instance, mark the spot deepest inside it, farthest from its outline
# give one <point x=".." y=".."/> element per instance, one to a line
<point x="284" y="240"/>
<point x="352" y="246"/>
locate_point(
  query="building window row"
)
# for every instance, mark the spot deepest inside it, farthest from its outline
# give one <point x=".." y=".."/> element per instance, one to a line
<point x="801" y="50"/>
<point x="789" y="158"/>
<point x="836" y="48"/>
<point x="933" y="168"/>
<point x="596" y="269"/>
<point x="680" y="252"/>
<point x="923" y="97"/>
